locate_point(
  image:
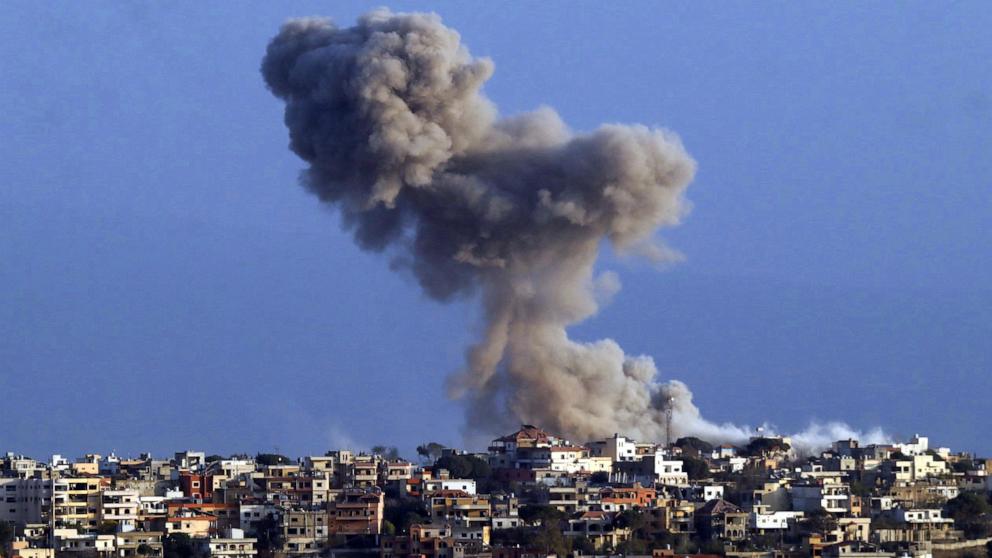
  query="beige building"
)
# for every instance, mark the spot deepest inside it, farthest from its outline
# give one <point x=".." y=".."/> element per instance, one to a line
<point x="469" y="515"/>
<point x="356" y="512"/>
<point x="77" y="502"/>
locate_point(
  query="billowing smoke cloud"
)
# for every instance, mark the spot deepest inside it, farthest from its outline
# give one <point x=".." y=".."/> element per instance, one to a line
<point x="390" y="118"/>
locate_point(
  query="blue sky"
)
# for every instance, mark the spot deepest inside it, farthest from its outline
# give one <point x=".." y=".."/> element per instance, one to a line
<point x="168" y="285"/>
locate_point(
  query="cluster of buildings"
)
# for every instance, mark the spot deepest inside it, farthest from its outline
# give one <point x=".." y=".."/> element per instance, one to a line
<point x="531" y="494"/>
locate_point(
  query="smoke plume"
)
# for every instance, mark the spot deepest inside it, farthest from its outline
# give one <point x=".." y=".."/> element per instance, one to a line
<point x="397" y="135"/>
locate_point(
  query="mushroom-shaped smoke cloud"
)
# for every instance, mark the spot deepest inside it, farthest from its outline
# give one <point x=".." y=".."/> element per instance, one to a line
<point x="390" y="118"/>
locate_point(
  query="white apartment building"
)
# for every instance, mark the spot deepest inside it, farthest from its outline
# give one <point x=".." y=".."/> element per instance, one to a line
<point x="190" y="460"/>
<point x="917" y="446"/>
<point x="712" y="492"/>
<point x="829" y="497"/>
<point x="120" y="506"/>
<point x="565" y="458"/>
<point x="465" y="485"/>
<point x="70" y="540"/>
<point x="922" y="516"/>
<point x="234" y="545"/>
<point x="668" y="471"/>
<point x="617" y="448"/>
<point x="773" y="521"/>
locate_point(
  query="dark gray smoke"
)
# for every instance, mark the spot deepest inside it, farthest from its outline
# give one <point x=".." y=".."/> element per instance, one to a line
<point x="390" y="117"/>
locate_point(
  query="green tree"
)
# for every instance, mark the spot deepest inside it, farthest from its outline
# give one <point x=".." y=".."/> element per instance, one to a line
<point x="268" y="531"/>
<point x="549" y="538"/>
<point x="821" y="521"/>
<point x="412" y="518"/>
<point x="600" y="477"/>
<point x="106" y="528"/>
<point x="430" y="450"/>
<point x="764" y="446"/>
<point x="858" y="488"/>
<point x="968" y="505"/>
<point x="695" y="467"/>
<point x="145" y="549"/>
<point x="633" y="546"/>
<point x="480" y="468"/>
<point x="388" y="528"/>
<point x="177" y="545"/>
<point x="963" y="465"/>
<point x="691" y="442"/>
<point x="540" y="514"/>
<point x="270" y="459"/>
<point x="635" y="520"/>
<point x="465" y="466"/>
<point x="457" y="466"/>
<point x="971" y="513"/>
<point x="583" y="545"/>
<point x="7" y="534"/>
<point x="403" y="513"/>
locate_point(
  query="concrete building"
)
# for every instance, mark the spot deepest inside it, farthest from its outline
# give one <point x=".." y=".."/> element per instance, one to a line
<point x="527" y="448"/>
<point x="599" y="528"/>
<point x="77" y="502"/>
<point x="25" y="500"/>
<point x="618" y="448"/>
<point x="233" y="544"/>
<point x="356" y="512"/>
<point x="829" y="497"/>
<point x="773" y="522"/>
<point x="435" y="485"/>
<point x="122" y="507"/>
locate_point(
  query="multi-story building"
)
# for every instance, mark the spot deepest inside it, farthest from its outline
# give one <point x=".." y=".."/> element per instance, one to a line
<point x="719" y="519"/>
<point x="135" y="544"/>
<point x="826" y="496"/>
<point x="394" y="471"/>
<point x="25" y="500"/>
<point x="364" y="471"/>
<point x="469" y="515"/>
<point x="527" y="448"/>
<point x="77" y="502"/>
<point x="356" y="512"/>
<point x="233" y="544"/>
<point x="122" y="507"/>
<point x="427" y="541"/>
<point x="599" y="528"/>
<point x="305" y="531"/>
<point x="618" y="448"/>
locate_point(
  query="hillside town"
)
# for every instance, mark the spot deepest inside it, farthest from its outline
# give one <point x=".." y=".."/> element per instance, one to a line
<point x="532" y="494"/>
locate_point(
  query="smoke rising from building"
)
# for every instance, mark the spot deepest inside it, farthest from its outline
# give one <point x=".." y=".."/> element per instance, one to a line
<point x="397" y="135"/>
